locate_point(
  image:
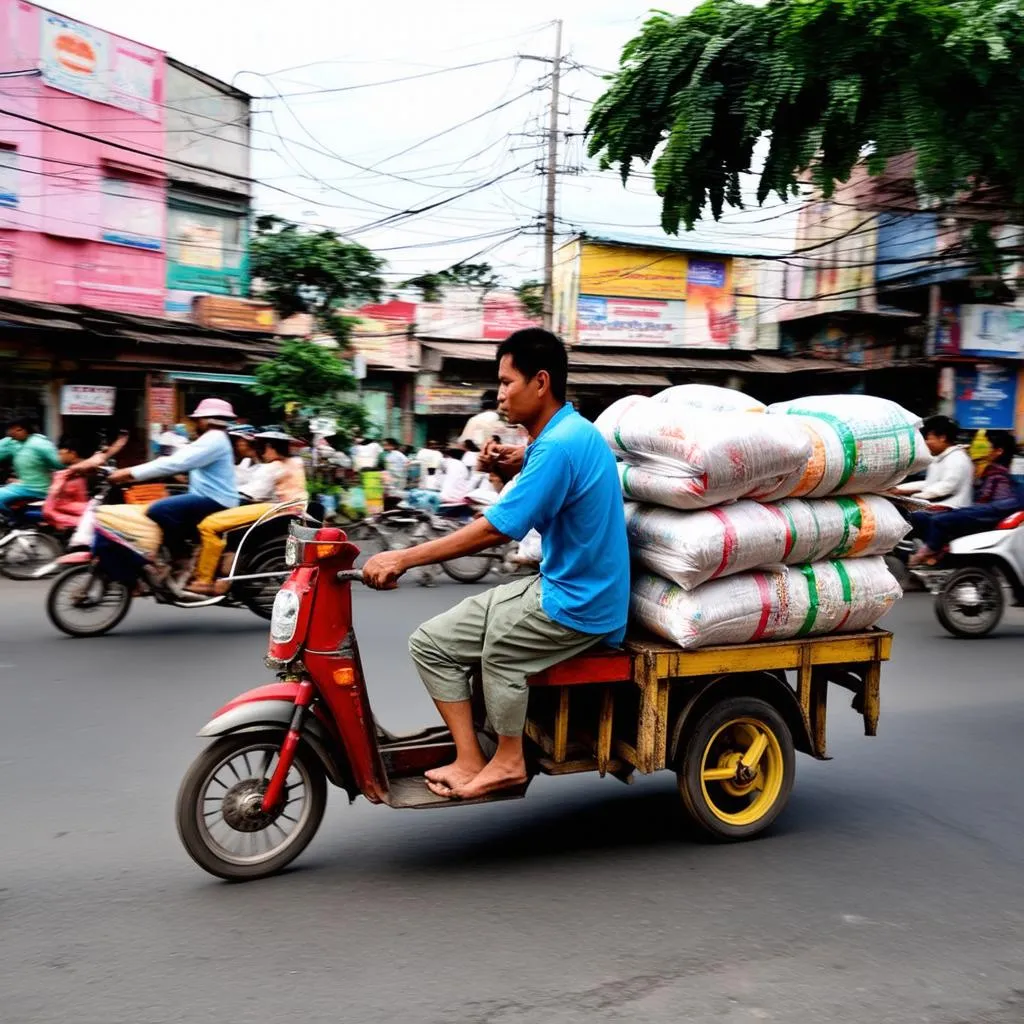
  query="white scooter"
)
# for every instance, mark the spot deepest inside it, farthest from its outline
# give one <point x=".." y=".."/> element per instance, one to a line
<point x="980" y="575"/>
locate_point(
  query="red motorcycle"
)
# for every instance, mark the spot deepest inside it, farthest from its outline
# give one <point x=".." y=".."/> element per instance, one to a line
<point x="725" y="719"/>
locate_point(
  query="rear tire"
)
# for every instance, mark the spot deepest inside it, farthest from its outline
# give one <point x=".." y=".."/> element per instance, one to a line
<point x="975" y="619"/>
<point x="22" y="556"/>
<point x="198" y="803"/>
<point x="732" y="809"/>
<point x="61" y="607"/>
<point x="468" y="568"/>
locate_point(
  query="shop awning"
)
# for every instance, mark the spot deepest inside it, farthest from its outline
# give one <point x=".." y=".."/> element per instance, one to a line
<point x="616" y="380"/>
<point x="213" y="378"/>
<point x="667" y="361"/>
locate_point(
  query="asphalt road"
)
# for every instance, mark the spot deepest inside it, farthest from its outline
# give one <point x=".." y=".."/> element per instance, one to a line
<point x="891" y="891"/>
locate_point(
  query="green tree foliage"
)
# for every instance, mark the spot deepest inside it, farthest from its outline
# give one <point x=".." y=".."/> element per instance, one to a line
<point x="466" y="275"/>
<point x="303" y="374"/>
<point x="829" y="82"/>
<point x="314" y="272"/>
<point x="305" y="379"/>
<point x="531" y="298"/>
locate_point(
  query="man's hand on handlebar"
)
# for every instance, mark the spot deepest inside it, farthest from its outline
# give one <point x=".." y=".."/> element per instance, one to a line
<point x="121" y="476"/>
<point x="383" y="571"/>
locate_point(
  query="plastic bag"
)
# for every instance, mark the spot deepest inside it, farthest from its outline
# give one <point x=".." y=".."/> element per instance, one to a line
<point x="809" y="600"/>
<point x="691" y="548"/>
<point x="859" y="444"/>
<point x="709" y="398"/>
<point x="686" y="459"/>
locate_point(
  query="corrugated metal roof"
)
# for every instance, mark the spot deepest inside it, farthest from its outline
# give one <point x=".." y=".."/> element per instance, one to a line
<point x="667" y="361"/>
<point x="631" y="380"/>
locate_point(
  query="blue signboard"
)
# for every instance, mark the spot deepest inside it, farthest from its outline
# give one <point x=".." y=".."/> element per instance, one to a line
<point x="710" y="273"/>
<point x="986" y="396"/>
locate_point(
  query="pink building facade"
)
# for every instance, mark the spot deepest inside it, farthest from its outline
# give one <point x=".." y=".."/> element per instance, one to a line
<point x="82" y="175"/>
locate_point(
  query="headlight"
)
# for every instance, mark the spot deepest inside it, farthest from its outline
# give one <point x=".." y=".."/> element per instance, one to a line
<point x="285" y="616"/>
<point x="292" y="552"/>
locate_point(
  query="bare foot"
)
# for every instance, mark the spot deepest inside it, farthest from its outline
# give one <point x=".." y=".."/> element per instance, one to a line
<point x="496" y="776"/>
<point x="456" y="774"/>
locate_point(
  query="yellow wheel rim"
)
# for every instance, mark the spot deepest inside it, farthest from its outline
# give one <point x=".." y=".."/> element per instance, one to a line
<point x="742" y="771"/>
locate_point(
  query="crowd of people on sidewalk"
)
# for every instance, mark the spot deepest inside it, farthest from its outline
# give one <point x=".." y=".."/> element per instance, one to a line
<point x="236" y="473"/>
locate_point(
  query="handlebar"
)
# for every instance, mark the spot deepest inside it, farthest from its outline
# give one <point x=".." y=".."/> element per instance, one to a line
<point x="350" y="576"/>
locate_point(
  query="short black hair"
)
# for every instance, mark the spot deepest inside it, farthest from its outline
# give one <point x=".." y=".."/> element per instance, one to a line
<point x="470" y="445"/>
<point x="535" y="349"/>
<point x="489" y="400"/>
<point x="942" y="426"/>
<point x="392" y="440"/>
<point x="1006" y="443"/>
<point x="73" y="444"/>
<point x="25" y="422"/>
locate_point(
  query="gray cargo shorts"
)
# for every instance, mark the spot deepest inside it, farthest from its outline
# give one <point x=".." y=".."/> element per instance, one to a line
<point x="507" y="633"/>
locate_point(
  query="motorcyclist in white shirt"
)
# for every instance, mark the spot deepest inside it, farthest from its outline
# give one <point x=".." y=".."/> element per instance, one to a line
<point x="949" y="481"/>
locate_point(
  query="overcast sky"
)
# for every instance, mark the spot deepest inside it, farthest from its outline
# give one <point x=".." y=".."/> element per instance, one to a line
<point x="301" y="142"/>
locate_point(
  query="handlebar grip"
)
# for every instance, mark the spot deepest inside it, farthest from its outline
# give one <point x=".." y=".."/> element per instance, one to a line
<point x="350" y="576"/>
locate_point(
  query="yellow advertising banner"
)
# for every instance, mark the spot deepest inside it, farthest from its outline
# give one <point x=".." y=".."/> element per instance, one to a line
<point x="613" y="270"/>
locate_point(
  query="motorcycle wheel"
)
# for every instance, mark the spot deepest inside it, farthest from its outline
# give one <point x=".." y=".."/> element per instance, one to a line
<point x="971" y="604"/>
<point x="23" y="555"/>
<point x="258" y="595"/>
<point x="85" y="603"/>
<point x="218" y="813"/>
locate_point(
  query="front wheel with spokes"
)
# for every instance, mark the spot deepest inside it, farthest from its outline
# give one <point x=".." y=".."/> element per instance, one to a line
<point x="84" y="602"/>
<point x="219" y="811"/>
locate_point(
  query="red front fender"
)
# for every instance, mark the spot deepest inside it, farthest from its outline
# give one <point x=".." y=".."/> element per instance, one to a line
<point x="281" y="690"/>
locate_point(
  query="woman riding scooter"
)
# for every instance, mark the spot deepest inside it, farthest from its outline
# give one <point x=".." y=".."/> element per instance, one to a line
<point x="277" y="478"/>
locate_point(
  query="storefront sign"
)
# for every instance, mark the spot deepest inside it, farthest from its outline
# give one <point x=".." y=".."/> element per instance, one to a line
<point x="986" y="396"/>
<point x="88" y="62"/>
<point x="437" y="399"/>
<point x="604" y="321"/>
<point x="74" y="57"/>
<point x="992" y="331"/>
<point x="233" y="314"/>
<point x="6" y="265"/>
<point x="710" y="273"/>
<point x="162" y="405"/>
<point x="86" y="400"/>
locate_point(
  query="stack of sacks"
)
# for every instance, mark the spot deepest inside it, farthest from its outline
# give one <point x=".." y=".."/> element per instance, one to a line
<point x="697" y="451"/>
<point x="826" y="597"/>
<point x="672" y="454"/>
<point x="860" y="445"/>
<point x="695" y="547"/>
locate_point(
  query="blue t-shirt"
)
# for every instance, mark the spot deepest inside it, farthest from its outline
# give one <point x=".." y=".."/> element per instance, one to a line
<point x="569" y="492"/>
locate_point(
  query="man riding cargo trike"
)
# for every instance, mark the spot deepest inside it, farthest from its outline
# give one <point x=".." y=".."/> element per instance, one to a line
<point x="533" y="677"/>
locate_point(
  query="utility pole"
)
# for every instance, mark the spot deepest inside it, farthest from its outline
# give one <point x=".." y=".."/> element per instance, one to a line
<point x="552" y="178"/>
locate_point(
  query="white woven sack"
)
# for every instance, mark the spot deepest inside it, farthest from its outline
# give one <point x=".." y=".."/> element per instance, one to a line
<point x="709" y="398"/>
<point x="691" y="548"/>
<point x="687" y="459"/>
<point x="860" y="444"/>
<point x="811" y="600"/>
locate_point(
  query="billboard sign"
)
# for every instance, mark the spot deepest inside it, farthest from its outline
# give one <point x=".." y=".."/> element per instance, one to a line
<point x="986" y="396"/>
<point x="617" y="321"/>
<point x="621" y="271"/>
<point x="992" y="331"/>
<point x="88" y="62"/>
